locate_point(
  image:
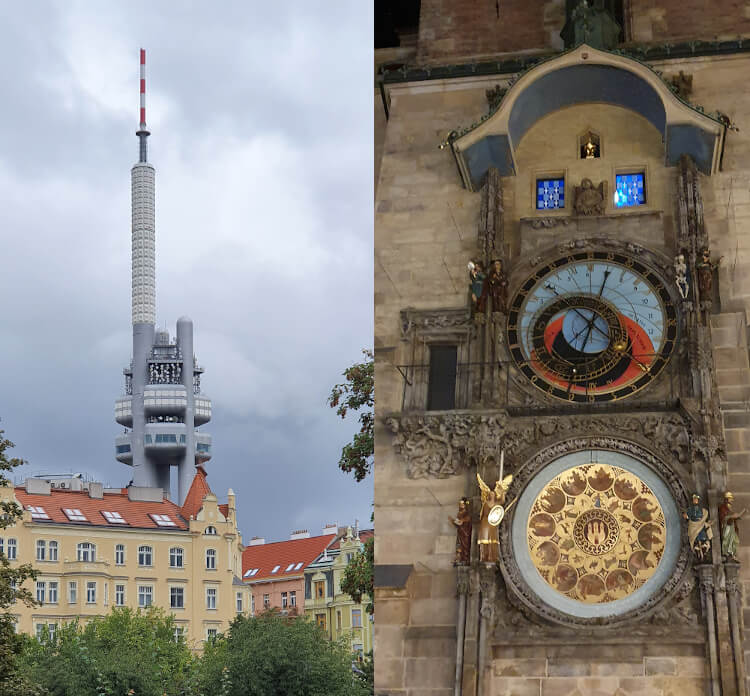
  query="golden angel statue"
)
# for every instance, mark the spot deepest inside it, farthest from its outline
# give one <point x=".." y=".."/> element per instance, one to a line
<point x="490" y="516"/>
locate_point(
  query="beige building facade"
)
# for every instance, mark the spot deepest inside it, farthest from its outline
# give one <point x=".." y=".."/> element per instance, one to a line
<point x="608" y="378"/>
<point x="97" y="549"/>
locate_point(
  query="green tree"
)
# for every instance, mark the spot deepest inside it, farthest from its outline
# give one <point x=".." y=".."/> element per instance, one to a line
<point x="357" y="394"/>
<point x="12" y="590"/>
<point x="126" y="652"/>
<point x="275" y="655"/>
<point x="358" y="578"/>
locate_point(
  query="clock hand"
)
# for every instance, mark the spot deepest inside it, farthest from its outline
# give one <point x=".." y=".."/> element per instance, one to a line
<point x="593" y="314"/>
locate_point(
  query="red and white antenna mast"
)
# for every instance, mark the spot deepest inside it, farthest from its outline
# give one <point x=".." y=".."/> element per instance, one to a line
<point x="143" y="132"/>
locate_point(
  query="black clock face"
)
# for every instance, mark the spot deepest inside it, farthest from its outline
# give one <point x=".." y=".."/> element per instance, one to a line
<point x="592" y="326"/>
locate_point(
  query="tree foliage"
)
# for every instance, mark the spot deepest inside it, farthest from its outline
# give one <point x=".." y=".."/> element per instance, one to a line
<point x="357" y="394"/>
<point x="358" y="577"/>
<point x="125" y="652"/>
<point x="275" y="655"/>
<point x="11" y="590"/>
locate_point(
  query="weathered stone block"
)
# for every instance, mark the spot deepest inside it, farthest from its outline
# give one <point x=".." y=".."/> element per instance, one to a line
<point x="659" y="665"/>
<point x="520" y="668"/>
<point x="514" y="686"/>
<point x="427" y="672"/>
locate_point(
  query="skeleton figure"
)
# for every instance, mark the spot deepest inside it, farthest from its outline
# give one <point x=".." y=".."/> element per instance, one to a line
<point x="680" y="276"/>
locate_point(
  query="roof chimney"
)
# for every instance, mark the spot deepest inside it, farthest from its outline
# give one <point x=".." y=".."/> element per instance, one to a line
<point x="38" y="486"/>
<point x="96" y="490"/>
<point x="299" y="534"/>
<point x="331" y="528"/>
<point x="257" y="541"/>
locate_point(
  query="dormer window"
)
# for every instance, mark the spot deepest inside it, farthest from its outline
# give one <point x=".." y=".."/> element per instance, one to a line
<point x="113" y="517"/>
<point x="276" y="569"/>
<point x="37" y="512"/>
<point x="75" y="515"/>
<point x="163" y="520"/>
<point x="211" y="530"/>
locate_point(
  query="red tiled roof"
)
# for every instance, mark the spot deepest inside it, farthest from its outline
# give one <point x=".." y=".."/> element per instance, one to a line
<point x="135" y="512"/>
<point x="364" y="535"/>
<point x="199" y="489"/>
<point x="224" y="509"/>
<point x="266" y="557"/>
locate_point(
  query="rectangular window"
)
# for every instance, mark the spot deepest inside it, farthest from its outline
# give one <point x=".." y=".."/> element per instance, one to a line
<point x="119" y="595"/>
<point x="37" y="513"/>
<point x="211" y="633"/>
<point x="145" y="555"/>
<point x="178" y="634"/>
<point x="320" y="619"/>
<point x="106" y="594"/>
<point x="177" y="597"/>
<point x="2" y="545"/>
<point x="550" y="193"/>
<point x="252" y="604"/>
<point x="113" y="517"/>
<point x="338" y="620"/>
<point x="41" y="591"/>
<point x="176" y="557"/>
<point x="441" y="388"/>
<point x="12" y="552"/>
<point x="52" y="551"/>
<point x="41" y="548"/>
<point x="320" y="589"/>
<point x="75" y="515"/>
<point x="630" y="190"/>
<point x="91" y="592"/>
<point x="53" y="592"/>
<point x="266" y="601"/>
<point x="293" y="598"/>
<point x="163" y="520"/>
<point x="239" y="602"/>
<point x="284" y="600"/>
<point x="52" y="628"/>
<point x="120" y="554"/>
<point x="356" y="618"/>
<point x="73" y="591"/>
<point x="210" y="559"/>
<point x="39" y="631"/>
<point x="145" y="595"/>
<point x="210" y="598"/>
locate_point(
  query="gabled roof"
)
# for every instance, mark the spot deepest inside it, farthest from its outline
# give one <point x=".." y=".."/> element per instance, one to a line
<point x="199" y="489"/>
<point x="136" y="513"/>
<point x="364" y="535"/>
<point x="265" y="557"/>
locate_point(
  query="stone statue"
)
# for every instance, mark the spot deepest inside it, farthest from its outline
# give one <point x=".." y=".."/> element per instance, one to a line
<point x="590" y="200"/>
<point x="463" y="533"/>
<point x="495" y="287"/>
<point x="490" y="516"/>
<point x="680" y="276"/>
<point x="705" y="270"/>
<point x="728" y="523"/>
<point x="590" y="149"/>
<point x="476" y="284"/>
<point x="699" y="529"/>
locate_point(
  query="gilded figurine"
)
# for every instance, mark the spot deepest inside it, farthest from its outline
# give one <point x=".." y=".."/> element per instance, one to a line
<point x="699" y="529"/>
<point x="680" y="276"/>
<point x="590" y="200"/>
<point x="490" y="516"/>
<point x="495" y="288"/>
<point x="728" y="523"/>
<point x="476" y="284"/>
<point x="463" y="533"/>
<point x="705" y="270"/>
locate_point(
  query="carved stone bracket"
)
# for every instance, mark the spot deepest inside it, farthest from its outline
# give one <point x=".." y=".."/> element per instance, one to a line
<point x="488" y="585"/>
<point x="435" y="321"/>
<point x="443" y="445"/>
<point x="462" y="580"/>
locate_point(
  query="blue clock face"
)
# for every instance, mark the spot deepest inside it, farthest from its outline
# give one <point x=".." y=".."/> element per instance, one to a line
<point x="593" y="326"/>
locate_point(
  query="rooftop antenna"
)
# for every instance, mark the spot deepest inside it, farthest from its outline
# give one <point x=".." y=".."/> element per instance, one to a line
<point x="142" y="131"/>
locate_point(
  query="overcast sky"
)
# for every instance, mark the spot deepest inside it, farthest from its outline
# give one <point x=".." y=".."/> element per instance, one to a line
<point x="261" y="122"/>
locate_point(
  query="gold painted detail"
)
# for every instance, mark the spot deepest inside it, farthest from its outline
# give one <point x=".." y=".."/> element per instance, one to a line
<point x="596" y="533"/>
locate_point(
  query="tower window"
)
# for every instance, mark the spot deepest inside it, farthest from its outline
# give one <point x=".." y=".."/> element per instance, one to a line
<point x="441" y="389"/>
<point x="550" y="193"/>
<point x="630" y="190"/>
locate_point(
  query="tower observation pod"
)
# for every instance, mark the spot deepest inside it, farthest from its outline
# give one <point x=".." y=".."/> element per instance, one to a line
<point x="163" y="404"/>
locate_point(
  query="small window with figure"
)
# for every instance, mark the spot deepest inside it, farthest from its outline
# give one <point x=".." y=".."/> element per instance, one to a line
<point x="590" y="146"/>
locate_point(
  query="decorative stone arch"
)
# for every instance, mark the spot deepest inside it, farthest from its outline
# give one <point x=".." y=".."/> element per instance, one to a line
<point x="586" y="75"/>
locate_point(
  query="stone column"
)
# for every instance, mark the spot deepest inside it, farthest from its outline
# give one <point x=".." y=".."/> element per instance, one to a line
<point x="731" y="572"/>
<point x="471" y="631"/>
<point x="462" y="586"/>
<point x="706" y="580"/>
<point x="487" y="584"/>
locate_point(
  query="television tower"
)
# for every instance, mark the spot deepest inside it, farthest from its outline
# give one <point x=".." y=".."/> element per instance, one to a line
<point x="163" y="404"/>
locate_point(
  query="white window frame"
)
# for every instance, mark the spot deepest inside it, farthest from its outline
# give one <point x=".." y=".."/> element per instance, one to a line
<point x="176" y="591"/>
<point x="91" y="592"/>
<point x="358" y="612"/>
<point x="266" y="601"/>
<point x="86" y="552"/>
<point x="119" y="554"/>
<point x="41" y="550"/>
<point x="211" y="633"/>
<point x="52" y="549"/>
<point x="119" y="595"/>
<point x="293" y="598"/>
<point x="284" y="600"/>
<point x="145" y="596"/>
<point x="211" y="597"/>
<point x="239" y="603"/>
<point x="53" y="592"/>
<point x="210" y="531"/>
<point x="72" y="591"/>
<point x="11" y="552"/>
<point x="41" y="591"/>
<point x="211" y="557"/>
<point x="176" y="553"/>
<point x="145" y="553"/>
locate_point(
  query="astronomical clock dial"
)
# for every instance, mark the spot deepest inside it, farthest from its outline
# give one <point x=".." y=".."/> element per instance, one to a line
<point x="592" y="326"/>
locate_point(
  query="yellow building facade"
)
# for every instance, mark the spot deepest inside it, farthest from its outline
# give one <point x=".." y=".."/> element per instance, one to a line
<point x="335" y="611"/>
<point x="96" y="549"/>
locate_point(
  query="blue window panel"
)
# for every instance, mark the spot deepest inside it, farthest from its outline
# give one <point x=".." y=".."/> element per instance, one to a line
<point x="121" y="449"/>
<point x="550" y="194"/>
<point x="629" y="190"/>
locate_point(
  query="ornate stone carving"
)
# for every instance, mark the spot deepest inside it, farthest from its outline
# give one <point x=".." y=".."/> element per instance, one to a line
<point x="442" y="445"/>
<point x="590" y="200"/>
<point x="547" y="222"/>
<point x="681" y="84"/>
<point x="462" y="580"/>
<point x="490" y="230"/>
<point x="434" y="320"/>
<point x="496" y="94"/>
<point x="488" y="586"/>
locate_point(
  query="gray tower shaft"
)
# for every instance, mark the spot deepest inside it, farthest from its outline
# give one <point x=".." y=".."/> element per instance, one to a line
<point x="186" y="467"/>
